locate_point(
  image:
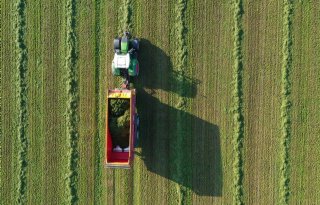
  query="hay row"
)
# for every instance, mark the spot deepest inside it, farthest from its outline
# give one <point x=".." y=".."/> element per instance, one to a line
<point x="237" y="95"/>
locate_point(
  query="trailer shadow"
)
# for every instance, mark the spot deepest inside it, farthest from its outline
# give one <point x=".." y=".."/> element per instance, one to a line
<point x="188" y="154"/>
<point x="175" y="144"/>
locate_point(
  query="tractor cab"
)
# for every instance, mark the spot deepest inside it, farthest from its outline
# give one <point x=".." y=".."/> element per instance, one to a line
<point x="121" y="61"/>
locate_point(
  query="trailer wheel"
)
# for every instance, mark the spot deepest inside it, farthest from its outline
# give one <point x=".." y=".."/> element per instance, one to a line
<point x="137" y="130"/>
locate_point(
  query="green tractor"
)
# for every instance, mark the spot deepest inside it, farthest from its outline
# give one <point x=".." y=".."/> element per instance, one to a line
<point x="125" y="62"/>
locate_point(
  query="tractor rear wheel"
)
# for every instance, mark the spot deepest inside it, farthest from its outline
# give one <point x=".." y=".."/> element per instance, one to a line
<point x="137" y="69"/>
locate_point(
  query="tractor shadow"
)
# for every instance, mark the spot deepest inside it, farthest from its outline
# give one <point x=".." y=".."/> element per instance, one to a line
<point x="157" y="72"/>
<point x="175" y="144"/>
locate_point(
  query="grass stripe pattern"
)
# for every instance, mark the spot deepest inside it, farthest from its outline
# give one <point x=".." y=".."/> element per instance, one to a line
<point x="22" y="98"/>
<point x="286" y="103"/>
<point x="73" y="102"/>
<point x="238" y="103"/>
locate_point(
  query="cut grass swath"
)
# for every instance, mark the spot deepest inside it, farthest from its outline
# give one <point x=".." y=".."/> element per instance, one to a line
<point x="21" y="53"/>
<point x="125" y="19"/>
<point x="286" y="103"/>
<point x="238" y="103"/>
<point x="73" y="101"/>
<point x="182" y="168"/>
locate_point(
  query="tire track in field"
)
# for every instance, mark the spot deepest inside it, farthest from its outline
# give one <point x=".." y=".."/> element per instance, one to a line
<point x="97" y="146"/>
<point x="123" y="179"/>
<point x="262" y="85"/>
<point x="138" y="169"/>
<point x="21" y="65"/>
<point x="73" y="102"/>
<point x="305" y="95"/>
<point x="36" y="139"/>
<point x="55" y="97"/>
<point x="85" y="31"/>
<point x="286" y="102"/>
<point x="111" y="19"/>
<point x="9" y="109"/>
<point x="141" y="172"/>
<point x="151" y="168"/>
<point x="238" y="103"/>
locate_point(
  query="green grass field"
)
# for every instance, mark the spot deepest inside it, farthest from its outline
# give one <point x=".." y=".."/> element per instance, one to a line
<point x="228" y="97"/>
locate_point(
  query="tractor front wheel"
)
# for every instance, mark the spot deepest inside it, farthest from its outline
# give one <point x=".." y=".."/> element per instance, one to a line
<point x="117" y="43"/>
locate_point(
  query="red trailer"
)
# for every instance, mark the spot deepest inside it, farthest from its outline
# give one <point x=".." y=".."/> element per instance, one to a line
<point x="120" y="142"/>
